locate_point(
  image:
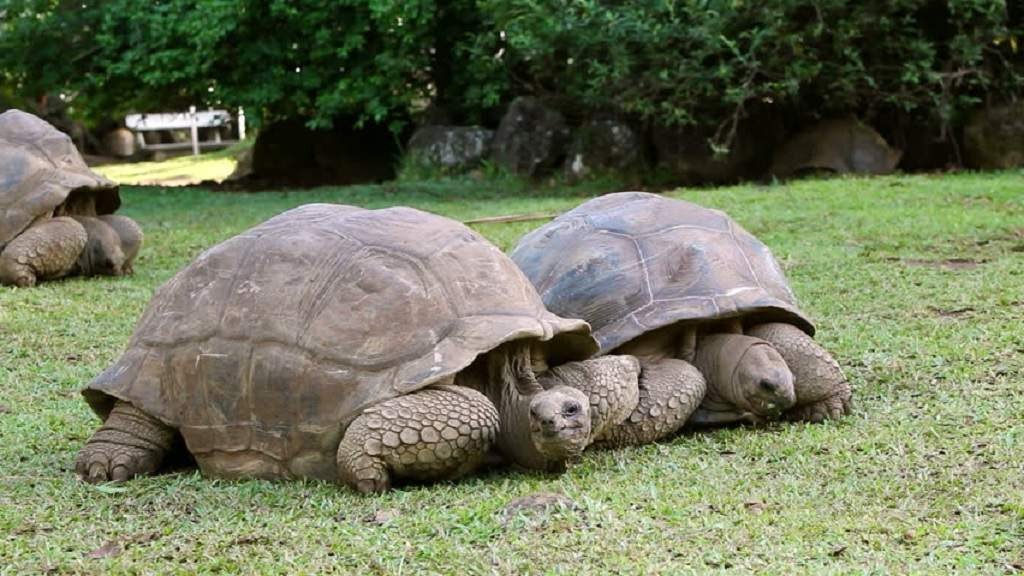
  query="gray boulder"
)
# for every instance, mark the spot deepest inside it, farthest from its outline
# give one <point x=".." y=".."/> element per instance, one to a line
<point x="120" y="142"/>
<point x="602" y="144"/>
<point x="452" y="148"/>
<point x="994" y="138"/>
<point x="531" y="139"/>
<point x="843" y="146"/>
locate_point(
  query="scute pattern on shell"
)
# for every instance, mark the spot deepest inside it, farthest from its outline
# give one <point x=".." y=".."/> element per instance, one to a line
<point x="267" y="345"/>
<point x="632" y="262"/>
<point x="40" y="169"/>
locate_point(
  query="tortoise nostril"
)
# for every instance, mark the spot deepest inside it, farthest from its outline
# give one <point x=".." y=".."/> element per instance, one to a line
<point x="769" y="386"/>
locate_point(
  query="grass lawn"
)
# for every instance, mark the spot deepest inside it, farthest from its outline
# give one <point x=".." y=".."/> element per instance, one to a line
<point x="179" y="171"/>
<point x="917" y="285"/>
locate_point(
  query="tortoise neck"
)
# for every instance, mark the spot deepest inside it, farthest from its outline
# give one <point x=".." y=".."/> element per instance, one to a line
<point x="511" y="385"/>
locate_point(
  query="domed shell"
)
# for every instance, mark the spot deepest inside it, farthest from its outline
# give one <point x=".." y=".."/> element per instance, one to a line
<point x="41" y="171"/>
<point x="632" y="262"/>
<point x="266" y="346"/>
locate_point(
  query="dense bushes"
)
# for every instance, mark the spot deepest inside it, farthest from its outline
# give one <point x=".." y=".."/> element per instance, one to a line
<point x="671" y="62"/>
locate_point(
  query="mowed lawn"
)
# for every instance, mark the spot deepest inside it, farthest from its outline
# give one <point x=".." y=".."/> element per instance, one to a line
<point x="916" y="284"/>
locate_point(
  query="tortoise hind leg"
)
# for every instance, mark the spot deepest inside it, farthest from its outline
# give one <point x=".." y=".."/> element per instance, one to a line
<point x="130" y="443"/>
<point x="822" y="392"/>
<point x="48" y="249"/>
<point x="438" y="433"/>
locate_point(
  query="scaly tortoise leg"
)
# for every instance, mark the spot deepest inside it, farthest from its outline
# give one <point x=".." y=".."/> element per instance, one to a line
<point x="130" y="443"/>
<point x="46" y="250"/>
<point x="670" y="390"/>
<point x="438" y="433"/>
<point x="822" y="392"/>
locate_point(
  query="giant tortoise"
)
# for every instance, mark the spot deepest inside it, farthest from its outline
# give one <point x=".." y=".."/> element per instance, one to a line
<point x="675" y="284"/>
<point x="341" y="343"/>
<point x="56" y="215"/>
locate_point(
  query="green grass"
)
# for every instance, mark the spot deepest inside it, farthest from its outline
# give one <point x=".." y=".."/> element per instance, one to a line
<point x="925" y="477"/>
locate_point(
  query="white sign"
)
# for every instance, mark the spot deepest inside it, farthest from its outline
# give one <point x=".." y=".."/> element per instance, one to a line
<point x="177" y="120"/>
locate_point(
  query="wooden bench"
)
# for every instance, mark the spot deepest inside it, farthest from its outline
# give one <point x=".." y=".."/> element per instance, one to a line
<point x="192" y="120"/>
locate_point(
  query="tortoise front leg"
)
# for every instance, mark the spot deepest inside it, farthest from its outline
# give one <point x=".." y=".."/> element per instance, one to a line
<point x="131" y="238"/>
<point x="670" y="390"/>
<point x="822" y="392"/>
<point x="438" y="433"/>
<point x="48" y="249"/>
<point x="130" y="443"/>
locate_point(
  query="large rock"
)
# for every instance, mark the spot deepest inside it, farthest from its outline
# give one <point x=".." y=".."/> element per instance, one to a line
<point x="843" y="146"/>
<point x="119" y="142"/>
<point x="451" y="148"/>
<point x="603" y="144"/>
<point x="685" y="155"/>
<point x="994" y="138"/>
<point x="531" y="139"/>
<point x="289" y="153"/>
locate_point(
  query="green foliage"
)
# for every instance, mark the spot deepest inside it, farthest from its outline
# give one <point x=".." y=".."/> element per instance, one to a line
<point x="284" y="58"/>
<point x="676" y="61"/>
<point x="702" y="61"/>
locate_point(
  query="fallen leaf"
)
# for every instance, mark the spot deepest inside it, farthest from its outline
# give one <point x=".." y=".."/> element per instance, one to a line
<point x="755" y="506"/>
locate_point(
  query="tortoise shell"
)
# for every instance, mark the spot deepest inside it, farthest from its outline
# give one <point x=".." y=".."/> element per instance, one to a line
<point x="632" y="262"/>
<point x="41" y="173"/>
<point x="264" y="348"/>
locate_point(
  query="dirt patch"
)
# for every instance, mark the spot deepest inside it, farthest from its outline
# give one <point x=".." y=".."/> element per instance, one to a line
<point x="537" y="506"/>
<point x="951" y="313"/>
<point x="945" y="263"/>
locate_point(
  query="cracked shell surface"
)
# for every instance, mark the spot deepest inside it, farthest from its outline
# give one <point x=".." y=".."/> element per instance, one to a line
<point x="632" y="262"/>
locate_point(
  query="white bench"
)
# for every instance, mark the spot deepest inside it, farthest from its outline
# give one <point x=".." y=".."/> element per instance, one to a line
<point x="192" y="120"/>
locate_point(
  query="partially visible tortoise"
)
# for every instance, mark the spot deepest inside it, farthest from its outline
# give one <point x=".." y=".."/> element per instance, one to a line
<point x="347" y="344"/>
<point x="49" y="203"/>
<point x="841" y="146"/>
<point x="674" y="283"/>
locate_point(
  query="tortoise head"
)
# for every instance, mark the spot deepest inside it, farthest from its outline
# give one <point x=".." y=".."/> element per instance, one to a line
<point x="560" y="423"/>
<point x="746" y="373"/>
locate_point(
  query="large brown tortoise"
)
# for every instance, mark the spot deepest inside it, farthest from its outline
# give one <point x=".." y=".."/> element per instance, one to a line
<point x="341" y="343"/>
<point x="56" y="215"/>
<point x="681" y="286"/>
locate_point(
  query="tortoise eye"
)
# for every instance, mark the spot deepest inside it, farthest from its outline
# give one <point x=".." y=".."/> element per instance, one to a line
<point x="571" y="408"/>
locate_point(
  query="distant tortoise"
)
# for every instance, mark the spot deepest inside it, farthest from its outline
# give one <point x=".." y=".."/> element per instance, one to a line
<point x="674" y="283"/>
<point x="54" y="211"/>
<point x="347" y="344"/>
<point x="841" y="146"/>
